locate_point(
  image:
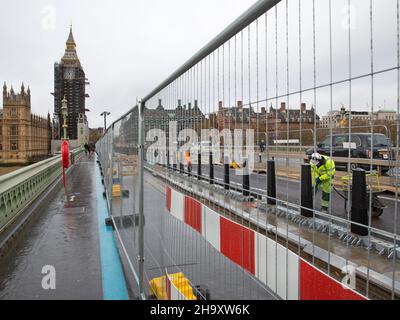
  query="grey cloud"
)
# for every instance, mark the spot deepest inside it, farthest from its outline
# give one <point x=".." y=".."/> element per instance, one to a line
<point x="126" y="47"/>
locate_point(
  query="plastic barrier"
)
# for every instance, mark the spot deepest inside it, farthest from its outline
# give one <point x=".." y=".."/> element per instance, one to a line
<point x="282" y="270"/>
<point x="275" y="269"/>
<point x="193" y="213"/>
<point x="172" y="287"/>
<point x="316" y="285"/>
<point x="237" y="243"/>
<point x="116" y="190"/>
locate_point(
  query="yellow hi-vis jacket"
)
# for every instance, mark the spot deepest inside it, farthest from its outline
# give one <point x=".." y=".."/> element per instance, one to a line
<point x="325" y="173"/>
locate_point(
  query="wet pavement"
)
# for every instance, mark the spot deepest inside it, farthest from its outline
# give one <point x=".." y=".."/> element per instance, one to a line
<point x="64" y="235"/>
<point x="171" y="245"/>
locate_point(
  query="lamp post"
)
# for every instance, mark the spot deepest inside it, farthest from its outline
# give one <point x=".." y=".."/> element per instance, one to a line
<point x="105" y="114"/>
<point x="56" y="128"/>
<point x="64" y="111"/>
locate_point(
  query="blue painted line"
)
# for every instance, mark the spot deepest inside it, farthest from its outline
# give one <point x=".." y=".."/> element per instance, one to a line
<point x="113" y="280"/>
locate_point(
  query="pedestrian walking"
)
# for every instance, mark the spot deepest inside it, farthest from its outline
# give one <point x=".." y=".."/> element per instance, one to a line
<point x="86" y="146"/>
<point x="262" y="146"/>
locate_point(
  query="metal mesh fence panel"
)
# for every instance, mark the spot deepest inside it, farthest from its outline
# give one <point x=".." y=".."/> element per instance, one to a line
<point x="270" y="160"/>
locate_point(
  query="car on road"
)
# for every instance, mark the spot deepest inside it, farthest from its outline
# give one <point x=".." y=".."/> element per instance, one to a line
<point x="361" y="146"/>
<point x="204" y="147"/>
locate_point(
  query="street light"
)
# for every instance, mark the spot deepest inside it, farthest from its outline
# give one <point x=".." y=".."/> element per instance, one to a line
<point x="105" y="114"/>
<point x="64" y="111"/>
<point x="56" y="126"/>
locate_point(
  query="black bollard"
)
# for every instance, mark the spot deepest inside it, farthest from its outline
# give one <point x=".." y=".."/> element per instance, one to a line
<point x="211" y="169"/>
<point x="359" y="203"/>
<point x="174" y="166"/>
<point x="199" y="166"/>
<point x="189" y="169"/>
<point x="246" y="180"/>
<point x="271" y="183"/>
<point x="168" y="164"/>
<point x="246" y="185"/>
<point x="306" y="191"/>
<point x="226" y="174"/>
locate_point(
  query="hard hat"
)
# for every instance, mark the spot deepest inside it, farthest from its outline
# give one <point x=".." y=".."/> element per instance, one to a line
<point x="315" y="158"/>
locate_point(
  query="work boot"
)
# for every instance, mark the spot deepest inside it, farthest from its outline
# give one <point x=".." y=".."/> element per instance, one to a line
<point x="324" y="209"/>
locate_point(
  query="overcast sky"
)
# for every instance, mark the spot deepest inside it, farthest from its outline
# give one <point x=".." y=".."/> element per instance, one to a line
<point x="127" y="47"/>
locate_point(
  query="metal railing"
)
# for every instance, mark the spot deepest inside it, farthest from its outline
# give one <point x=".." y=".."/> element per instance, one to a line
<point x="275" y="71"/>
<point x="20" y="188"/>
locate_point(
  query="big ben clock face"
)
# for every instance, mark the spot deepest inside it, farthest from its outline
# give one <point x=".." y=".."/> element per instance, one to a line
<point x="69" y="74"/>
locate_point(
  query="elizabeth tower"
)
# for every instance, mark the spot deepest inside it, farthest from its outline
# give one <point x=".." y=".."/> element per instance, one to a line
<point x="69" y="82"/>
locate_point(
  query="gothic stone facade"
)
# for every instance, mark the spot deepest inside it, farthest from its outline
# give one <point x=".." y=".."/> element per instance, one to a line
<point x="24" y="137"/>
<point x="69" y="83"/>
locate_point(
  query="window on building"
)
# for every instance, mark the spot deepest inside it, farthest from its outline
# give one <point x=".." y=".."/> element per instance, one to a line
<point x="14" y="145"/>
<point x="14" y="131"/>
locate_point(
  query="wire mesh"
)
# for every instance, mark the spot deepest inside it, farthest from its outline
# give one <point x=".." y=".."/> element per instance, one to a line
<point x="303" y="77"/>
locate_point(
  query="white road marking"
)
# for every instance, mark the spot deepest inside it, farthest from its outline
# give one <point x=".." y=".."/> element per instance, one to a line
<point x="388" y="199"/>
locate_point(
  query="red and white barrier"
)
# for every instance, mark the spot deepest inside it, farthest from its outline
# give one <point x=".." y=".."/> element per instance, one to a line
<point x="237" y="243"/>
<point x="211" y="227"/>
<point x="177" y="204"/>
<point x="277" y="267"/>
<point x="168" y="194"/>
<point x="282" y="270"/>
<point x="173" y="292"/>
<point x="316" y="285"/>
<point x="192" y="214"/>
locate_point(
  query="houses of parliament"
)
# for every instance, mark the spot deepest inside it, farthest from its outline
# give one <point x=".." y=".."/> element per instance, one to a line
<point x="24" y="136"/>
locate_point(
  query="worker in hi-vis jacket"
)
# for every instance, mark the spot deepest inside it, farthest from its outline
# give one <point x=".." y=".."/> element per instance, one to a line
<point x="323" y="173"/>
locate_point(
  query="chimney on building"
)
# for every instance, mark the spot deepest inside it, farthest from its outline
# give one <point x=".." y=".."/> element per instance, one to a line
<point x="240" y="104"/>
<point x="283" y="106"/>
<point x="263" y="110"/>
<point x="179" y="103"/>
<point x="190" y="106"/>
<point x="160" y="102"/>
<point x="303" y="107"/>
<point x="220" y="105"/>
<point x="195" y="104"/>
